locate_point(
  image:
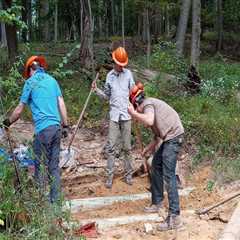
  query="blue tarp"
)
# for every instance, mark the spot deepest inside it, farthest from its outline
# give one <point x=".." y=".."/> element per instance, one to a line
<point x="23" y="156"/>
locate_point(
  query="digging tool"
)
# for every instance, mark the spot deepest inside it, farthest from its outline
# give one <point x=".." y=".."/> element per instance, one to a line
<point x="206" y="210"/>
<point x="68" y="153"/>
<point x="144" y="168"/>
<point x="13" y="157"/>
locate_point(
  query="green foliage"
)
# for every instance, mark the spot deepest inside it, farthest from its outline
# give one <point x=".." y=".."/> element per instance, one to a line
<point x="60" y="73"/>
<point x="11" y="85"/>
<point x="165" y="59"/>
<point x="210" y="185"/>
<point x="227" y="168"/>
<point x="220" y="80"/>
<point x="12" y="15"/>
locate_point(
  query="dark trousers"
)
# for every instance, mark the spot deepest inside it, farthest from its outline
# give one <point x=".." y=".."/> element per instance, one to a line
<point x="164" y="170"/>
<point x="46" y="147"/>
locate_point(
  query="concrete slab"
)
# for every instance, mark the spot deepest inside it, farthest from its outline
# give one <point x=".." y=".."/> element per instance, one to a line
<point x="77" y="205"/>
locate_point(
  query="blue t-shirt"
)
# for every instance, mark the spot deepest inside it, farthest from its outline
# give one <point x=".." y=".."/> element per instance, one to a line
<point x="41" y="92"/>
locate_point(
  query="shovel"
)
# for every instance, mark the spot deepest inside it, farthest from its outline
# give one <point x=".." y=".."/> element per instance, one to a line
<point x="68" y="153"/>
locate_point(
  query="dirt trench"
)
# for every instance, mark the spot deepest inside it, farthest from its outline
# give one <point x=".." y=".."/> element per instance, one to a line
<point x="87" y="180"/>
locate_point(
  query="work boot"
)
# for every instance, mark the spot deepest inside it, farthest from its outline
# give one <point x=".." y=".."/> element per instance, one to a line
<point x="128" y="179"/>
<point x="109" y="182"/>
<point x="153" y="208"/>
<point x="171" y="222"/>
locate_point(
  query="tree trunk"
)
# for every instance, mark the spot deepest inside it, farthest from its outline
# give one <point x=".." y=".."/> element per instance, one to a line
<point x="148" y="38"/>
<point x="81" y="18"/>
<point x="56" y="22"/>
<point x="86" y="49"/>
<point x="144" y="31"/>
<point x="139" y="26"/>
<point x="219" y="24"/>
<point x="3" y="36"/>
<point x="113" y="17"/>
<point x="44" y="11"/>
<point x="182" y="25"/>
<point x="11" y="35"/>
<point x="3" y="32"/>
<point x="123" y="27"/>
<point x="100" y="26"/>
<point x="167" y="21"/>
<point x="196" y="32"/>
<point x="29" y="19"/>
<point x="24" y="19"/>
<point x="157" y="26"/>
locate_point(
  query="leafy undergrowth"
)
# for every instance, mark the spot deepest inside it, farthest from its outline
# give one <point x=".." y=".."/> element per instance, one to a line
<point x="25" y="212"/>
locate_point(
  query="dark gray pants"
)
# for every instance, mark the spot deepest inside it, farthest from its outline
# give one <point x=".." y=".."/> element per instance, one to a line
<point x="164" y="170"/>
<point x="46" y="147"/>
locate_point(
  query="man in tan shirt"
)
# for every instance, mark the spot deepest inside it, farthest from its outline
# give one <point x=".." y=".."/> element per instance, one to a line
<point x="166" y="125"/>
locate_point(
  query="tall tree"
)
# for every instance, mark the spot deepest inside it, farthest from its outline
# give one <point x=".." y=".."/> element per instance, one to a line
<point x="11" y="34"/>
<point x="24" y="19"/>
<point x="56" y="21"/>
<point x="219" y="24"/>
<point x="123" y="25"/>
<point x="44" y="20"/>
<point x="182" y="25"/>
<point x="86" y="49"/>
<point x="196" y="32"/>
<point x="113" y="17"/>
<point x="29" y="19"/>
<point x="3" y="38"/>
<point x="148" y="38"/>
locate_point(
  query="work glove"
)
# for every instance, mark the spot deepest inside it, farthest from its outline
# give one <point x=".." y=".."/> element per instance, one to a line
<point x="65" y="130"/>
<point x="6" y="123"/>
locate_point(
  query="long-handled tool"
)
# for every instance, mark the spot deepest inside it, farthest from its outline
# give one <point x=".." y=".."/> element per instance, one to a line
<point x="13" y="157"/>
<point x="206" y="210"/>
<point x="68" y="153"/>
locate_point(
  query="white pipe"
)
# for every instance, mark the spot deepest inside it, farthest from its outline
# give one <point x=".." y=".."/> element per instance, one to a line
<point x="104" y="223"/>
<point x="111" y="222"/>
<point x="92" y="203"/>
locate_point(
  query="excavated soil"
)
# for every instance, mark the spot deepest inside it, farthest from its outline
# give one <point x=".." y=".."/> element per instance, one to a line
<point x="84" y="180"/>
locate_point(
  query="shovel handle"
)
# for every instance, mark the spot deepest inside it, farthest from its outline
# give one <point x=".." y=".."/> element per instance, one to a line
<point x="13" y="157"/>
<point x="82" y="113"/>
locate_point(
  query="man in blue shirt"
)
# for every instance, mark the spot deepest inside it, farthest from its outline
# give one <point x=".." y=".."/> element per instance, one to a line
<point x="42" y="94"/>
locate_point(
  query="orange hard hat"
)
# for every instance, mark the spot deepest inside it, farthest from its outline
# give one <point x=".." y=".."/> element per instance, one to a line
<point x="120" y="56"/>
<point x="135" y="92"/>
<point x="40" y="59"/>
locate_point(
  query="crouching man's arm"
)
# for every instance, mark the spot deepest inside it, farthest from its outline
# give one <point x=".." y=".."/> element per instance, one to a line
<point x="147" y="117"/>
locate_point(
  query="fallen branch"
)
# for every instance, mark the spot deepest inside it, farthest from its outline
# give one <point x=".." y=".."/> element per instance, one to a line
<point x="206" y="210"/>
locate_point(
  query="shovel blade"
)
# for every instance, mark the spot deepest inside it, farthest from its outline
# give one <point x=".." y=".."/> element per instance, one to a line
<point x="67" y="158"/>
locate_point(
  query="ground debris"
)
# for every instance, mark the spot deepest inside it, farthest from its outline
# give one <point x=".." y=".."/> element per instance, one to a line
<point x="88" y="230"/>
